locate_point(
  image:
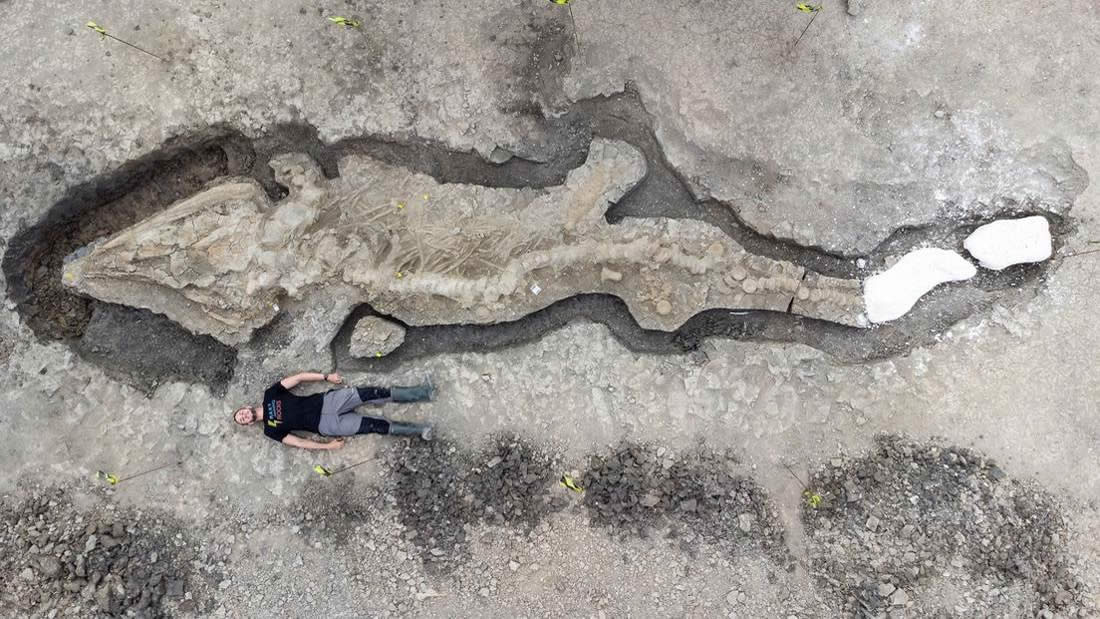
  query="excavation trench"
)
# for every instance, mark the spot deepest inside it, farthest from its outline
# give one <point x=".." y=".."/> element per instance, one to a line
<point x="147" y="349"/>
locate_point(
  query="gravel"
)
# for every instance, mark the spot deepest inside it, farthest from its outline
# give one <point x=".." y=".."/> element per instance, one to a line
<point x="909" y="521"/>
<point x="100" y="560"/>
<point x="440" y="488"/>
<point x="639" y="489"/>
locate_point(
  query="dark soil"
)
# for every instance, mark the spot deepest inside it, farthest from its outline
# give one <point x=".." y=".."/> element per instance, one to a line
<point x="440" y="488"/>
<point x="897" y="521"/>
<point x="937" y="312"/>
<point x="640" y="490"/>
<point x="123" y="341"/>
<point x="105" y="561"/>
<point x="138" y="346"/>
<point x="94" y="210"/>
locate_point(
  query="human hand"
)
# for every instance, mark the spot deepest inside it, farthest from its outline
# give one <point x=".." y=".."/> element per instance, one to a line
<point x="336" y="444"/>
<point x="334" y="378"/>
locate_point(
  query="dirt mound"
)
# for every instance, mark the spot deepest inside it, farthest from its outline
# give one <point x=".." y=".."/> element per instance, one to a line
<point x="439" y="489"/>
<point x="937" y="530"/>
<point x="639" y="489"/>
<point x="58" y="558"/>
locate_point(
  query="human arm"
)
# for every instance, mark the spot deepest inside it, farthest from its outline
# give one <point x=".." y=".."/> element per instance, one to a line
<point x="305" y="443"/>
<point x="293" y="381"/>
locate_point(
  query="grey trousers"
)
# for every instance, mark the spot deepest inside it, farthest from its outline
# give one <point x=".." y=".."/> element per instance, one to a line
<point x="338" y="416"/>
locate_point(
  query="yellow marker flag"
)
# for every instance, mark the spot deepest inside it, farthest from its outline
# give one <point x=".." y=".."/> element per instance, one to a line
<point x="561" y="2"/>
<point x="568" y="482"/>
<point x="808" y="8"/>
<point x="96" y="27"/>
<point x="322" y="471"/>
<point x="110" y="478"/>
<point x="346" y="22"/>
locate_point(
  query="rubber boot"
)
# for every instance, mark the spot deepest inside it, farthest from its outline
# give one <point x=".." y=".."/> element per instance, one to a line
<point x="419" y="393"/>
<point x="410" y="429"/>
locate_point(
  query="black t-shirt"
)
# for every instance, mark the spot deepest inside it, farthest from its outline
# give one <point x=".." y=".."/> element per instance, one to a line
<point x="285" y="412"/>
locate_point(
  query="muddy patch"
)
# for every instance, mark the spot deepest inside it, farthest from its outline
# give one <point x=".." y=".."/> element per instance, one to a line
<point x="935" y="530"/>
<point x="129" y="345"/>
<point x="87" y="557"/>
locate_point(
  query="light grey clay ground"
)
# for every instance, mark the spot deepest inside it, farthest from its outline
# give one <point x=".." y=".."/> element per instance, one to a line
<point x="958" y="474"/>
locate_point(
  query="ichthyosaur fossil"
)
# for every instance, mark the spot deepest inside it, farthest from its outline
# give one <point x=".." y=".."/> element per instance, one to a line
<point x="219" y="262"/>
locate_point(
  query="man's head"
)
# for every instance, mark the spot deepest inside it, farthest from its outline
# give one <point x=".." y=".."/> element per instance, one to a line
<point x="246" y="415"/>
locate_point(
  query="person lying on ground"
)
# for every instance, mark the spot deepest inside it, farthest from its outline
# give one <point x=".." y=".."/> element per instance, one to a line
<point x="330" y="413"/>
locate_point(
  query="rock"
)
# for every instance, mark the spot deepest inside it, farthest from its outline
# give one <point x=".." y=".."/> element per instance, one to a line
<point x="1007" y="242"/>
<point x="650" y="500"/>
<point x="376" y="337"/>
<point x="174" y="588"/>
<point x="117" y="531"/>
<point x="851" y="491"/>
<point x="855" y="7"/>
<point x="49" y="566"/>
<point x="500" y="155"/>
<point x="609" y="275"/>
<point x="872" y="523"/>
<point x="688" y="506"/>
<point x="745" y="522"/>
<point x="731" y="597"/>
<point x="664" y="308"/>
<point x="27" y="574"/>
<point x="514" y="566"/>
<point x="885" y="589"/>
<point x="103" y="598"/>
<point x="899" y="598"/>
<point x="90" y="544"/>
